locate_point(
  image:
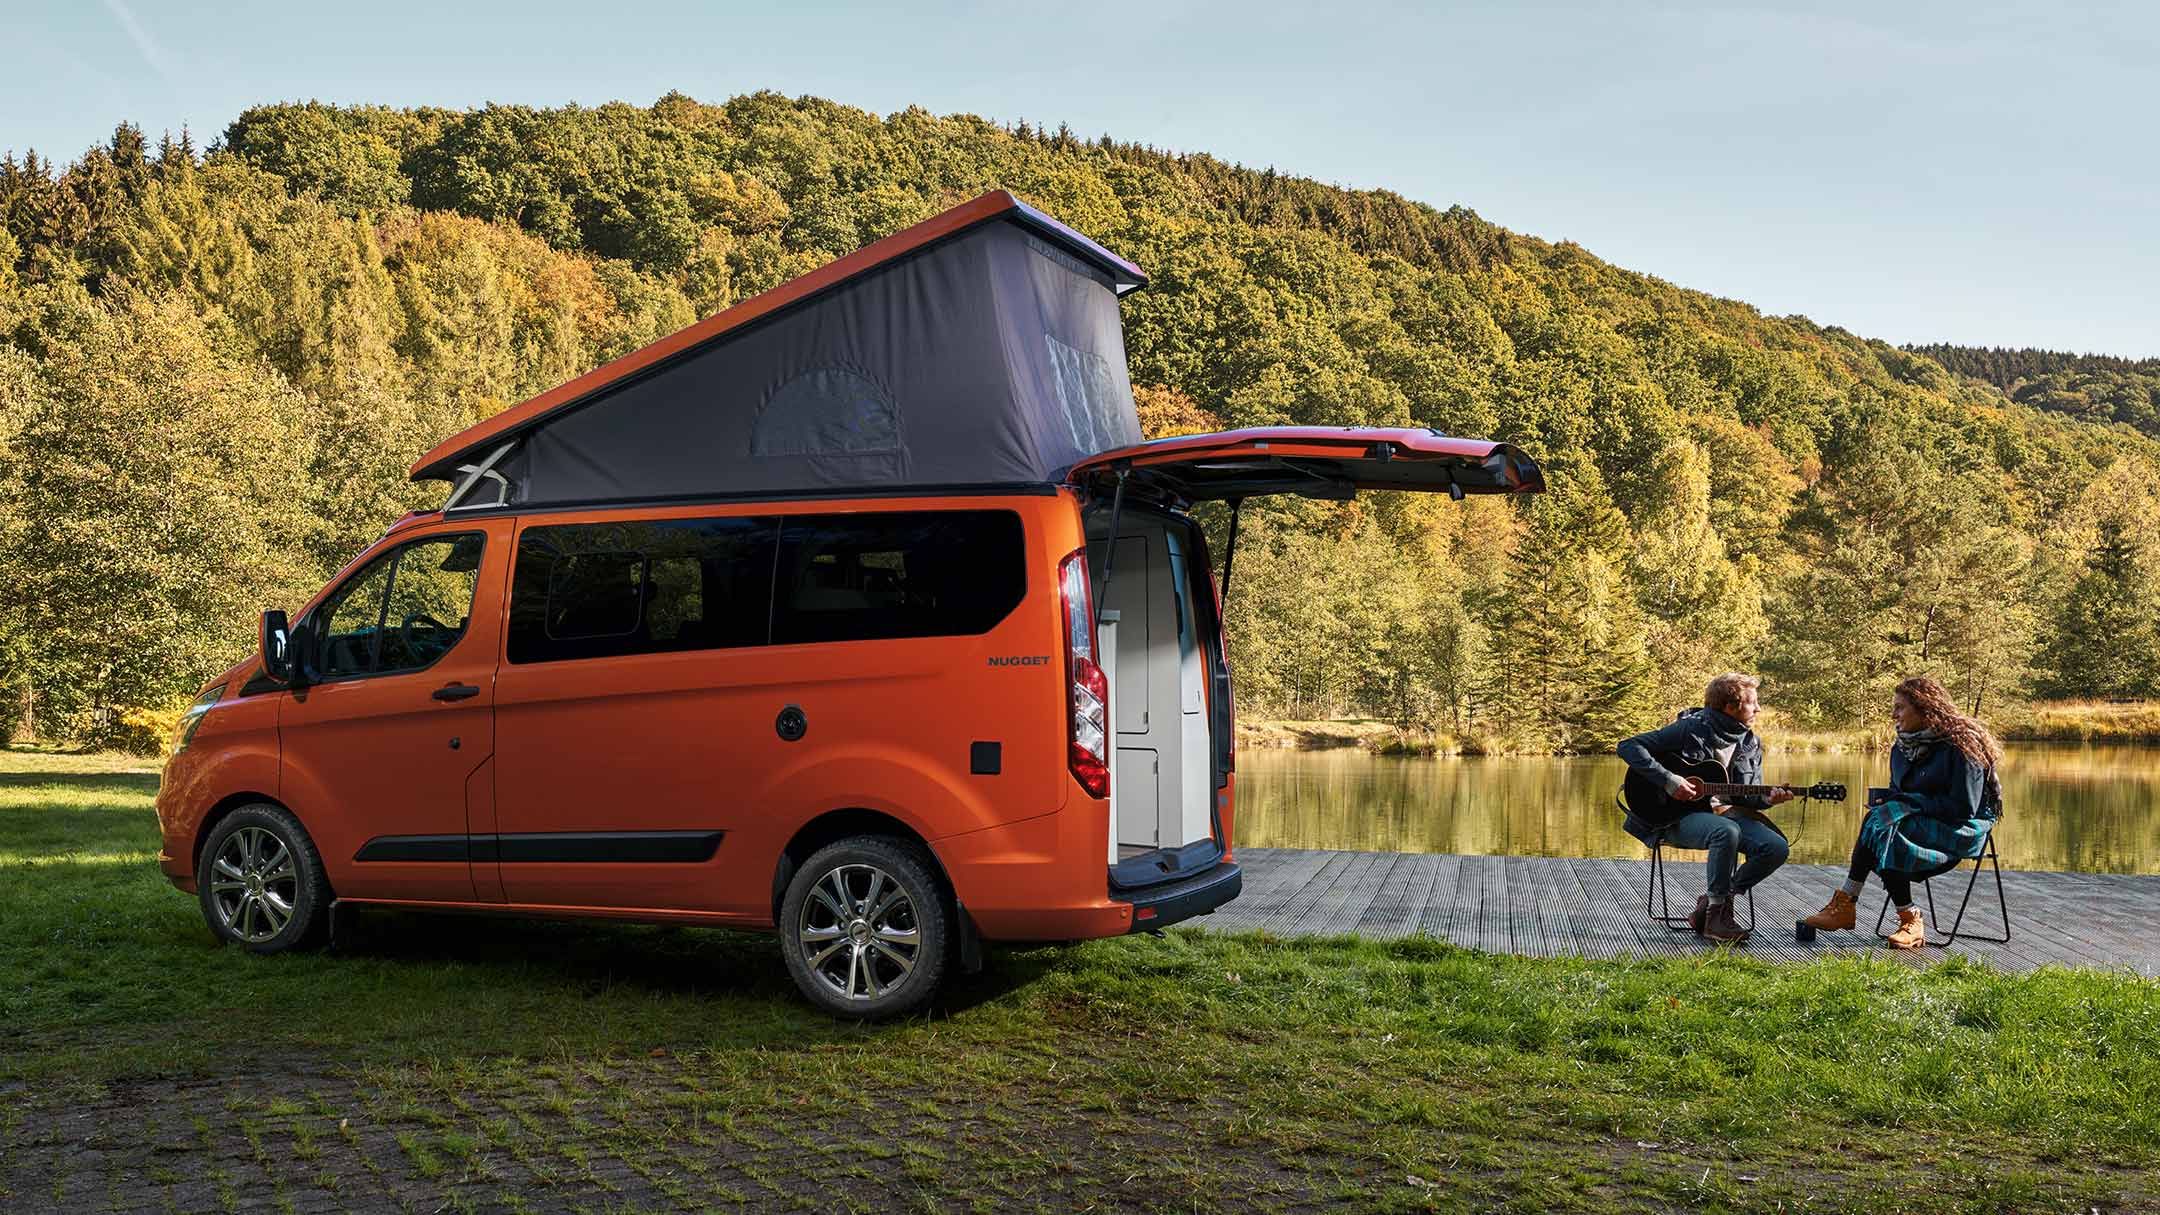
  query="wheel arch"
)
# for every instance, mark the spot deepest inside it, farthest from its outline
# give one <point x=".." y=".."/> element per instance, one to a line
<point x="216" y="814"/>
<point x="836" y="825"/>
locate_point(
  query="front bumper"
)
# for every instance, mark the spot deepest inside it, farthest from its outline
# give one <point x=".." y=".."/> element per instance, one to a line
<point x="1158" y="906"/>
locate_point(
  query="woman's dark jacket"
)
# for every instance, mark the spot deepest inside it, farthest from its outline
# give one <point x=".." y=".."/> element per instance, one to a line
<point x="1940" y="810"/>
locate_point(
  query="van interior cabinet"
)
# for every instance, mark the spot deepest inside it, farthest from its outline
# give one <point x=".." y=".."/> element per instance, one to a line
<point x="1160" y="778"/>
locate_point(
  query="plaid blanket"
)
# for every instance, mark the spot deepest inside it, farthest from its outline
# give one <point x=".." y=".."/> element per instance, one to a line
<point x="1907" y="841"/>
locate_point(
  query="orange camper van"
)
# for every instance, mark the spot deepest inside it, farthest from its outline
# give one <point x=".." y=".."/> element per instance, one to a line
<point x="857" y="613"/>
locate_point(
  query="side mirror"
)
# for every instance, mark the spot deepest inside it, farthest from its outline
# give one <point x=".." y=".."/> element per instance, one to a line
<point x="277" y="652"/>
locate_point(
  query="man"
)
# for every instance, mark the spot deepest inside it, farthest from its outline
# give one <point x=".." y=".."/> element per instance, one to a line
<point x="1721" y="732"/>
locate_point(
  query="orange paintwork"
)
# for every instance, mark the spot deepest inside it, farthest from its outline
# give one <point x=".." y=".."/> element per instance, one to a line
<point x="680" y="741"/>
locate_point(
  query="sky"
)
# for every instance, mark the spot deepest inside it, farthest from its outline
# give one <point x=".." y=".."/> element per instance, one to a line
<point x="1915" y="172"/>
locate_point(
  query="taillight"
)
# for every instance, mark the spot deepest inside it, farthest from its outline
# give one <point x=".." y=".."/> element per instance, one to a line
<point x="1087" y="690"/>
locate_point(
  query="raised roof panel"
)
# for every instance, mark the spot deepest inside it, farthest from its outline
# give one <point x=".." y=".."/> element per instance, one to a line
<point x="981" y="347"/>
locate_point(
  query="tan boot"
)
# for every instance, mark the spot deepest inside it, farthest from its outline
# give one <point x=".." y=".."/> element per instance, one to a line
<point x="1841" y="913"/>
<point x="1911" y="933"/>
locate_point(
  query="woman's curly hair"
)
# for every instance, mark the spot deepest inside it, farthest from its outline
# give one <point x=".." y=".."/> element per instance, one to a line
<point x="1938" y="710"/>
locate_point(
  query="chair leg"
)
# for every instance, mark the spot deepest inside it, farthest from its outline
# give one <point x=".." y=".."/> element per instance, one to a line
<point x="2001" y="900"/>
<point x="1657" y="900"/>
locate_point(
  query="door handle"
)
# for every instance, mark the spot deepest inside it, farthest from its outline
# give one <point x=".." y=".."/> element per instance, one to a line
<point x="456" y="691"/>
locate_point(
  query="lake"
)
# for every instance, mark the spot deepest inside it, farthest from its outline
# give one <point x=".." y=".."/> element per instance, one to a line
<point x="2066" y="807"/>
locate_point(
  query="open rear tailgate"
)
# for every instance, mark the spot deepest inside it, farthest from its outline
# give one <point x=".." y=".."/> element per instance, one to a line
<point x="1312" y="461"/>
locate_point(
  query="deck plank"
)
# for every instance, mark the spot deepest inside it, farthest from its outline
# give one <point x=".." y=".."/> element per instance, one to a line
<point x="1562" y="906"/>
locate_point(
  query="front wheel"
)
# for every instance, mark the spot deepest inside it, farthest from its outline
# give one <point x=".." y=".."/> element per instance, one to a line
<point x="863" y="927"/>
<point x="261" y="881"/>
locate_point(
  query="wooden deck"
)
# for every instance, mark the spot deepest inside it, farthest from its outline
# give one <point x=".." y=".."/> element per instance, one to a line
<point x="1552" y="906"/>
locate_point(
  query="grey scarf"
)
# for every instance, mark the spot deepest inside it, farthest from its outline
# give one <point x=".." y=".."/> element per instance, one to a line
<point x="1724" y="727"/>
<point x="1917" y="743"/>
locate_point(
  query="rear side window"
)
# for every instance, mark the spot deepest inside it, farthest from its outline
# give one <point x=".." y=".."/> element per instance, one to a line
<point x="913" y="574"/>
<point x="601" y="590"/>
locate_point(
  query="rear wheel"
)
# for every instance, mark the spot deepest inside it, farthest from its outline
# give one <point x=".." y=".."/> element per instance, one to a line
<point x="864" y="928"/>
<point x="261" y="882"/>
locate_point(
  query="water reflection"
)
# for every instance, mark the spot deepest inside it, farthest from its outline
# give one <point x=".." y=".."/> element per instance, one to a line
<point x="2091" y="809"/>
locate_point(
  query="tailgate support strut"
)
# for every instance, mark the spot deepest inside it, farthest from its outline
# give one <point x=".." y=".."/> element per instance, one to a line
<point x="1117" y="507"/>
<point x="1230" y="550"/>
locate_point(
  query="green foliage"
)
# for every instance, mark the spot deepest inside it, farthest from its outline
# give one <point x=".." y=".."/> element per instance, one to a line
<point x="2090" y="386"/>
<point x="150" y="488"/>
<point x="341" y="288"/>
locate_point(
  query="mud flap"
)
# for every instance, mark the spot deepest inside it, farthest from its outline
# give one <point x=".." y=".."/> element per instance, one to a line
<point x="967" y="943"/>
<point x="343" y="925"/>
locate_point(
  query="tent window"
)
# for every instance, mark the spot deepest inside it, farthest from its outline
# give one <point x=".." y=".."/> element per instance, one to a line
<point x="1088" y="395"/>
<point x="827" y="411"/>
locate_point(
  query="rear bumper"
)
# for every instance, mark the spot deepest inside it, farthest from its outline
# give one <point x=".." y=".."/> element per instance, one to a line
<point x="1158" y="906"/>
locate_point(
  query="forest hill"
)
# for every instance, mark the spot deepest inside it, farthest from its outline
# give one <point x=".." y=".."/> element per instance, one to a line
<point x="215" y="366"/>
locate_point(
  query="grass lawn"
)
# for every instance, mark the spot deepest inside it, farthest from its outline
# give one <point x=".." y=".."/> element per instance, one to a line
<point x="471" y="1064"/>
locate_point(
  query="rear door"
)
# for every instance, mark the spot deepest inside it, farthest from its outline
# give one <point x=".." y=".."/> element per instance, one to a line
<point x="1330" y="462"/>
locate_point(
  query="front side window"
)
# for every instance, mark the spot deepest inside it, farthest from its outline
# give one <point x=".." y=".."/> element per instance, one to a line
<point x="353" y="620"/>
<point x="644" y="586"/>
<point x="403" y="610"/>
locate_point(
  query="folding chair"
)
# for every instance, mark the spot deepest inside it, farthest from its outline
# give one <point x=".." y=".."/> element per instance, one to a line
<point x="1986" y="857"/>
<point x="1658" y="903"/>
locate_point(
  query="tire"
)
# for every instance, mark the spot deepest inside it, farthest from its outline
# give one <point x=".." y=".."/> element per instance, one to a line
<point x="865" y="928"/>
<point x="261" y="881"/>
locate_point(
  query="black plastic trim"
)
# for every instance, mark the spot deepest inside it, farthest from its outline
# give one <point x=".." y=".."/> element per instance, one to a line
<point x="259" y="684"/>
<point x="1176" y="901"/>
<point x="1165" y="865"/>
<point x="415" y="848"/>
<point x="549" y="847"/>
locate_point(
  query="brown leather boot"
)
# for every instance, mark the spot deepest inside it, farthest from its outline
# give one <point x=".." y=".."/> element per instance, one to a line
<point x="1911" y="933"/>
<point x="1720" y="926"/>
<point x="1695" y="918"/>
<point x="1842" y="912"/>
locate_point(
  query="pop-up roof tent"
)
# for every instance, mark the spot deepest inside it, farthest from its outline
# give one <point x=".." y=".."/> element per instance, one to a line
<point x="980" y="348"/>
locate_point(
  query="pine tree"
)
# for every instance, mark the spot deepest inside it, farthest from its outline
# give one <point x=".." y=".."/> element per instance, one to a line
<point x="2106" y="635"/>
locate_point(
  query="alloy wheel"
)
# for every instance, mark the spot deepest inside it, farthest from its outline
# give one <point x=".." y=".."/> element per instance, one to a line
<point x="859" y="933"/>
<point x="254" y="884"/>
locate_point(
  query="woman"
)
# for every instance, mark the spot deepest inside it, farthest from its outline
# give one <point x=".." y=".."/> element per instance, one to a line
<point x="1943" y="801"/>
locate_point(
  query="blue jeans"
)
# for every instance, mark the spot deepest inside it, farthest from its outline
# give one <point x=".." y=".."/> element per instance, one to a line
<point x="1722" y="838"/>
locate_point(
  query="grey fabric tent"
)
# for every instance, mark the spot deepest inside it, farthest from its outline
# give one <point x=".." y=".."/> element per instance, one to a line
<point x="979" y="348"/>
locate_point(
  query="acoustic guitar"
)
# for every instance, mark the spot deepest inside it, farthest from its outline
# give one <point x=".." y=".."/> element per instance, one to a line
<point x="1649" y="800"/>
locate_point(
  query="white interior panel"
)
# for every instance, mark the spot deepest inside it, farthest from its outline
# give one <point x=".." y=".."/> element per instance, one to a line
<point x="1131" y="577"/>
<point x="1139" y="785"/>
<point x="1161" y="788"/>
